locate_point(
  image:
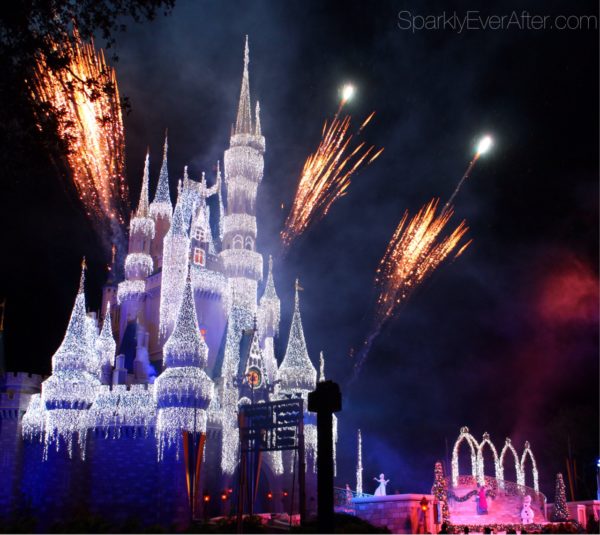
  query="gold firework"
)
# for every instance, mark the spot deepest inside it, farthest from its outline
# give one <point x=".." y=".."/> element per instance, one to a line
<point x="85" y="98"/>
<point x="326" y="175"/>
<point x="416" y="249"/>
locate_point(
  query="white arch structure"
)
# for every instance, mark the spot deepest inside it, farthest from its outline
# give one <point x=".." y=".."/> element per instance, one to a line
<point x="527" y="452"/>
<point x="508" y="447"/>
<point x="477" y="467"/>
<point x="480" y="470"/>
<point x="464" y="435"/>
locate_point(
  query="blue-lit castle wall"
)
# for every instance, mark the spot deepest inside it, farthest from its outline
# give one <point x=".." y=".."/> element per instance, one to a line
<point x="120" y="480"/>
<point x="120" y="483"/>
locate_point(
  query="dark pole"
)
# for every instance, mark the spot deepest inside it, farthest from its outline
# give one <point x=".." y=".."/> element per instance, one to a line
<point x="325" y="400"/>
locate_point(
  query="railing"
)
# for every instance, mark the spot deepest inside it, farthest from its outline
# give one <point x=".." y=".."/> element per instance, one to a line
<point x="495" y="486"/>
<point x="342" y="500"/>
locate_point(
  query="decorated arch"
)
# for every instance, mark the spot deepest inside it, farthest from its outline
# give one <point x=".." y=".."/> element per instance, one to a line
<point x="528" y="453"/>
<point x="473" y="445"/>
<point x="508" y="447"/>
<point x="480" y="467"/>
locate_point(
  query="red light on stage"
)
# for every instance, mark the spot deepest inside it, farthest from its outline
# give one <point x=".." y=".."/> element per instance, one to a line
<point x="424" y="504"/>
<point x="206" y="498"/>
<point x="270" y="495"/>
<point x="285" y="494"/>
<point x="229" y="491"/>
<point x="223" y="496"/>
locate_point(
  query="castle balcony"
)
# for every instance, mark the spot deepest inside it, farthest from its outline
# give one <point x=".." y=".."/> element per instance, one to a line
<point x="242" y="263"/>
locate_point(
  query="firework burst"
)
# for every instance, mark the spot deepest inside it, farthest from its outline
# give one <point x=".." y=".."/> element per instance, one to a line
<point x="84" y="101"/>
<point x="418" y="246"/>
<point x="326" y="174"/>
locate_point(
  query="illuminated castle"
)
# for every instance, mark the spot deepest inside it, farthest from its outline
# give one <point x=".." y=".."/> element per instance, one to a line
<point x="179" y="345"/>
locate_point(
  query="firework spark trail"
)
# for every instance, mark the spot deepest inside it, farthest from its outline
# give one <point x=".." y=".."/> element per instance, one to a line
<point x="86" y="99"/>
<point x="416" y="249"/>
<point x="484" y="145"/>
<point x="327" y="174"/>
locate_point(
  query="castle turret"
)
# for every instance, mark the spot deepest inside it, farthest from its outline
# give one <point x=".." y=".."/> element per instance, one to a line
<point x="105" y="347"/>
<point x="297" y="373"/>
<point x="183" y="391"/>
<point x="243" y="173"/>
<point x="269" y="316"/>
<point x="161" y="211"/>
<point x="298" y="376"/>
<point x="69" y="392"/>
<point x="174" y="271"/>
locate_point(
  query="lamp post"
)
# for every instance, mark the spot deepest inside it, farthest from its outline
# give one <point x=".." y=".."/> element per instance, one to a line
<point x="424" y="503"/>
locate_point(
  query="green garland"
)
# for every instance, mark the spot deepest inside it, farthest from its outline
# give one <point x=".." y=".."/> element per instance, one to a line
<point x="489" y="493"/>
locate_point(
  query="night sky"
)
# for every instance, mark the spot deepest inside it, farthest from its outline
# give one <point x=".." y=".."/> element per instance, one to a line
<point x="504" y="339"/>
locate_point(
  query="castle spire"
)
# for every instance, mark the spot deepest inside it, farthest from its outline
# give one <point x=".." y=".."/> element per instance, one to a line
<point x="243" y="124"/>
<point x="161" y="204"/>
<point x="178" y="224"/>
<point x="297" y="370"/>
<point x="269" y="310"/>
<point x="142" y="210"/>
<point x="105" y="343"/>
<point x="257" y="129"/>
<point x="270" y="292"/>
<point x="185" y="346"/>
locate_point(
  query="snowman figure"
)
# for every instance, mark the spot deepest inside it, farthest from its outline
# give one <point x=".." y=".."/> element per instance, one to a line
<point x="527" y="511"/>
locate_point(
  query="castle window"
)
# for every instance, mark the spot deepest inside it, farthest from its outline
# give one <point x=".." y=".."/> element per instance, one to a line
<point x="238" y="242"/>
<point x="249" y="243"/>
<point x="199" y="256"/>
<point x="199" y="234"/>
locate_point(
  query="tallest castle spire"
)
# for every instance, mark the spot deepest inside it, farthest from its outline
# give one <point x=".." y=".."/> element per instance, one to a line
<point x="243" y="123"/>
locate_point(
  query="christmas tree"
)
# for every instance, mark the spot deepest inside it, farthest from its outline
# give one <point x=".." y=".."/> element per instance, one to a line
<point x="560" y="501"/>
<point x="440" y="491"/>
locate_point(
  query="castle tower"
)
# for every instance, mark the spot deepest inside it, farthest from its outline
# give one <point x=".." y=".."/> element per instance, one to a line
<point x="269" y="316"/>
<point x="174" y="270"/>
<point x="244" y="165"/>
<point x="183" y="391"/>
<point x="70" y="391"/>
<point x="161" y="211"/>
<point x="138" y="263"/>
